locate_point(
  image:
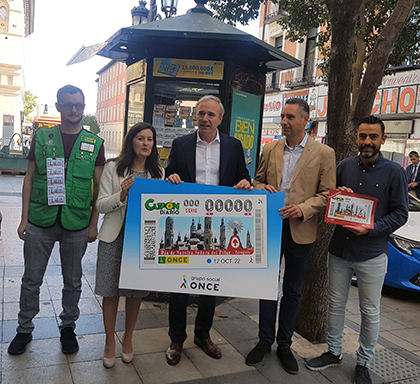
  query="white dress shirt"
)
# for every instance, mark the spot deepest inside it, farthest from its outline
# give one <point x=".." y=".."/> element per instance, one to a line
<point x="290" y="159"/>
<point x="207" y="161"/>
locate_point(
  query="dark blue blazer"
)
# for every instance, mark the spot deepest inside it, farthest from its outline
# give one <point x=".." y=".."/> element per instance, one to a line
<point x="409" y="171"/>
<point x="232" y="160"/>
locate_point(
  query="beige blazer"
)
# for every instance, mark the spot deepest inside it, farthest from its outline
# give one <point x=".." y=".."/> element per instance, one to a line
<point x="108" y="202"/>
<point x="315" y="175"/>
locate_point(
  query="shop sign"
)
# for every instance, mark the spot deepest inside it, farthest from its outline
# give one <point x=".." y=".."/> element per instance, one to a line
<point x="397" y="94"/>
<point x="188" y="69"/>
<point x="271" y="132"/>
<point x="8" y="120"/>
<point x="273" y="104"/>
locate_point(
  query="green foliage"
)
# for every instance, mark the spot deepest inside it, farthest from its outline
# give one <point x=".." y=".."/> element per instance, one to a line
<point x="29" y="104"/>
<point x="235" y="11"/>
<point x="303" y="15"/>
<point x="407" y="46"/>
<point x="91" y="121"/>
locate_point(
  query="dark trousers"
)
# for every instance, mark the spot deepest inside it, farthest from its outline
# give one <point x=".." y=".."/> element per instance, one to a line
<point x="296" y="257"/>
<point x="178" y="316"/>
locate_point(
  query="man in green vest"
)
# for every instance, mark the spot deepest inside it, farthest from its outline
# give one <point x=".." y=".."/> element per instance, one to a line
<point x="57" y="201"/>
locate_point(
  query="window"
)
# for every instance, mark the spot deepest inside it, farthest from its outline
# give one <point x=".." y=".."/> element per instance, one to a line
<point x="275" y="78"/>
<point x="4" y="16"/>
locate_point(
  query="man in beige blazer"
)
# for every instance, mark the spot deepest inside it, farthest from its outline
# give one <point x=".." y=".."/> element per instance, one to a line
<point x="304" y="170"/>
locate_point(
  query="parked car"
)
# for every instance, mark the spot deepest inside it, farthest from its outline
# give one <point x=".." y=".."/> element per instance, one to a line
<point x="404" y="251"/>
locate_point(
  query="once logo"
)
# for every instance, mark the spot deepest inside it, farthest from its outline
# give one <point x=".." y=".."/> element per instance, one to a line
<point x="205" y="286"/>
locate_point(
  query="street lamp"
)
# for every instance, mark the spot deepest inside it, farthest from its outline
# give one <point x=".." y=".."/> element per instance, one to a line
<point x="169" y="7"/>
<point x="140" y="14"/>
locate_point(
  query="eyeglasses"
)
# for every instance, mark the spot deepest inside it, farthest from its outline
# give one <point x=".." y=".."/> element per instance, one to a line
<point x="69" y="106"/>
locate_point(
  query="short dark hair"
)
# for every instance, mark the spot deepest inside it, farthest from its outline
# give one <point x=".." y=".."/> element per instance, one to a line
<point x="127" y="156"/>
<point x="69" y="89"/>
<point x="413" y="153"/>
<point x="372" y="120"/>
<point x="303" y="105"/>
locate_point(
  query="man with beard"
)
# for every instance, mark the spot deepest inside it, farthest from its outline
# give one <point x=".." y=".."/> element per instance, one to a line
<point x="363" y="251"/>
<point x="56" y="206"/>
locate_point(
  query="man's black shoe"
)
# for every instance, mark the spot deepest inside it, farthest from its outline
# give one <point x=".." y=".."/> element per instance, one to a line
<point x="19" y="343"/>
<point x="287" y="359"/>
<point x="68" y="341"/>
<point x="362" y="375"/>
<point x="326" y="360"/>
<point x="257" y="353"/>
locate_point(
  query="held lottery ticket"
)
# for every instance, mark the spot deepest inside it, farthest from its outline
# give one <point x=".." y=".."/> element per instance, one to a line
<point x="203" y="231"/>
<point x="202" y="239"/>
<point x="350" y="209"/>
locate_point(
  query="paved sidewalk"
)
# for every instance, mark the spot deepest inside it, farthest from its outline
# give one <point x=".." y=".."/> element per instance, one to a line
<point x="397" y="359"/>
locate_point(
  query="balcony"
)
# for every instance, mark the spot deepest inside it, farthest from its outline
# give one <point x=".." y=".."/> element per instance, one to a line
<point x="302" y="76"/>
<point x="274" y="16"/>
<point x="300" y="82"/>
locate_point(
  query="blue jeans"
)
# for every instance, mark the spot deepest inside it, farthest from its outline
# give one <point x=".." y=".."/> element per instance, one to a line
<point x="37" y="249"/>
<point x="370" y="277"/>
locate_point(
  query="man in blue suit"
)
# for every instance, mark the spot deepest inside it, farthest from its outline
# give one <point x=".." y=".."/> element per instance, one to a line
<point x="204" y="157"/>
<point x="413" y="174"/>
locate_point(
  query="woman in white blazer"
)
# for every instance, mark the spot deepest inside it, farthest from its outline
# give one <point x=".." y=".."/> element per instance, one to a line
<point x="138" y="158"/>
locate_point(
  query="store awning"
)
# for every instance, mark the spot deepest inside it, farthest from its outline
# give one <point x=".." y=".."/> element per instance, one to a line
<point x="47" y="119"/>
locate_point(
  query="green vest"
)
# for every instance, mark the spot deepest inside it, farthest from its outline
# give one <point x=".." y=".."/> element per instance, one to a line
<point x="75" y="214"/>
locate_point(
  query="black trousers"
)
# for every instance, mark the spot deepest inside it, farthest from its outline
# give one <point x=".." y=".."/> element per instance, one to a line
<point x="296" y="257"/>
<point x="178" y="316"/>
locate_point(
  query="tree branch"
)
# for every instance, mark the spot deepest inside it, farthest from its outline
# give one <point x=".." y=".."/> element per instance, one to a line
<point x="379" y="57"/>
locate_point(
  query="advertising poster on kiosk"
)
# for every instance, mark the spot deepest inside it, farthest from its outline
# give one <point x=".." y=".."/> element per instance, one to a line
<point x="201" y="239"/>
<point x="245" y="125"/>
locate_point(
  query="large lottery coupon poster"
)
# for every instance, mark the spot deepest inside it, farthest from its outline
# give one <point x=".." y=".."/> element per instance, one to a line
<point x="202" y="239"/>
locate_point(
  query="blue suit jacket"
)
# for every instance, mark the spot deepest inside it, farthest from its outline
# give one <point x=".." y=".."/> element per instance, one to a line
<point x="232" y="161"/>
<point x="409" y="171"/>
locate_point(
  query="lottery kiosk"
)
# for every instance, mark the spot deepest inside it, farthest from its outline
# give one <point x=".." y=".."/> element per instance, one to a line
<point x="174" y="62"/>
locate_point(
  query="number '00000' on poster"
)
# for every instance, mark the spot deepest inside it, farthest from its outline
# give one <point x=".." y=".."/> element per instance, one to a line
<point x="202" y="239"/>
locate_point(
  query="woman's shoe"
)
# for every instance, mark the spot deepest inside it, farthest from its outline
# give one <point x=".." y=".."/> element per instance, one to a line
<point x="127" y="357"/>
<point x="108" y="362"/>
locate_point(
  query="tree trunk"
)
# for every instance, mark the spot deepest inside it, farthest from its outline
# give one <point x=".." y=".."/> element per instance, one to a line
<point x="358" y="64"/>
<point x="311" y="321"/>
<point x="379" y="57"/>
<point x="312" y="316"/>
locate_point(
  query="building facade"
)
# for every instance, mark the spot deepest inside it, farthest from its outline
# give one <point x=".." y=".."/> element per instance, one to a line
<point x="397" y="100"/>
<point x="110" y="108"/>
<point x="16" y="22"/>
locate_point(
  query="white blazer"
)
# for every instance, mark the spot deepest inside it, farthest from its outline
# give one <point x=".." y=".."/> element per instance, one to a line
<point x="108" y="202"/>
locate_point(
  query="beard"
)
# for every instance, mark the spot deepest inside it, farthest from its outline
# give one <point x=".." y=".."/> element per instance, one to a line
<point x="368" y="154"/>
